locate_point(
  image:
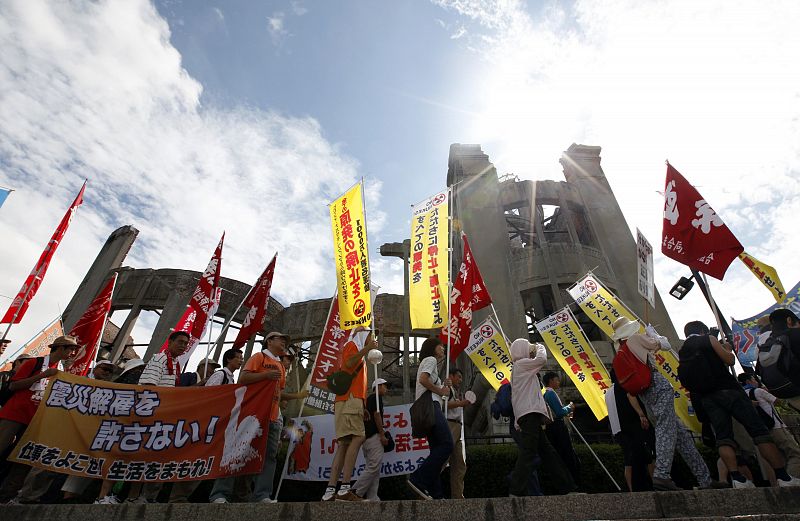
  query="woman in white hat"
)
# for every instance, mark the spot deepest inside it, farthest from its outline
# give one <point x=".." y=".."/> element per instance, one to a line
<point x="660" y="403"/>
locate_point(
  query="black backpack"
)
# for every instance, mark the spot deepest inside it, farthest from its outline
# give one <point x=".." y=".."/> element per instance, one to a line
<point x="501" y="406"/>
<point x="694" y="369"/>
<point x="778" y="367"/>
<point x="339" y="382"/>
<point x="6" y="393"/>
<point x="768" y="419"/>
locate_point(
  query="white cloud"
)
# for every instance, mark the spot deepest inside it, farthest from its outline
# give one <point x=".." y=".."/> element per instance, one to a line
<point x="275" y="25"/>
<point x="711" y="86"/>
<point x="95" y="90"/>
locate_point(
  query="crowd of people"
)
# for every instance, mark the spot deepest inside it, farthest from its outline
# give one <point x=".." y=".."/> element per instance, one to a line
<point x="738" y="414"/>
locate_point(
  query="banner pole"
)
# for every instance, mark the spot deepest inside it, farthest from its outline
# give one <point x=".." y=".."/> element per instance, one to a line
<point x="449" y="286"/>
<point x="499" y="325"/>
<point x="569" y="422"/>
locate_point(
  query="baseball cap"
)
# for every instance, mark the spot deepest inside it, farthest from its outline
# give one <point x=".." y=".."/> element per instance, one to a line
<point x="133" y="363"/>
<point x="274" y="334"/>
<point x="208" y="361"/>
<point x="104" y="362"/>
<point x="65" y="340"/>
<point x="379" y="381"/>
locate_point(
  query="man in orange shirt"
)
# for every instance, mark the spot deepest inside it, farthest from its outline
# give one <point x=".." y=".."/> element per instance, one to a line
<point x="349" y="416"/>
<point x="265" y="365"/>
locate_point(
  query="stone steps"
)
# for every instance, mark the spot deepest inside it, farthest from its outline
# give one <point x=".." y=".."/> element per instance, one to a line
<point x="759" y="504"/>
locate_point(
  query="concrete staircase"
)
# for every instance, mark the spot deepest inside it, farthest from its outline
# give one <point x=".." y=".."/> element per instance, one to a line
<point x="760" y="504"/>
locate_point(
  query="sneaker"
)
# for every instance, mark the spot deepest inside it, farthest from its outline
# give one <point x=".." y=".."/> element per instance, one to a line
<point x="107" y="500"/>
<point x="268" y="500"/>
<point x="793" y="482"/>
<point x="418" y="490"/>
<point x="330" y="494"/>
<point x="13" y="501"/>
<point x="141" y="500"/>
<point x="349" y="496"/>
<point x="664" y="484"/>
<point x="219" y="500"/>
<point x="743" y="484"/>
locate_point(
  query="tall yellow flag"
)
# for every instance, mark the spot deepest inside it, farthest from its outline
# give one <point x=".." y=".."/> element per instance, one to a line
<point x="351" y="256"/>
<point x="569" y="346"/>
<point x="429" y="263"/>
<point x="603" y="308"/>
<point x="766" y="274"/>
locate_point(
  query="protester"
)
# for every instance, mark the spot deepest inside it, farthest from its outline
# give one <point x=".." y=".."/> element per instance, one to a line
<point x="557" y="431"/>
<point x="426" y="480"/>
<point x="232" y="361"/>
<point x="455" y="420"/>
<point x="659" y="398"/>
<point x="722" y="398"/>
<point x="28" y="385"/>
<point x="205" y="369"/>
<point x="531" y="415"/>
<point x="785" y="384"/>
<point x="781" y="435"/>
<point x="5" y="376"/>
<point x="349" y="417"/>
<point x="4" y="344"/>
<point x="374" y="441"/>
<point x="632" y="431"/>
<point x="131" y="372"/>
<point x="262" y="366"/>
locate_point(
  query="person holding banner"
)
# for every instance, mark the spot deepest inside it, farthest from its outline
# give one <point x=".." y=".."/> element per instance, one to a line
<point x="28" y="385"/>
<point x="557" y="432"/>
<point x="531" y="415"/>
<point x="265" y="365"/>
<point x="349" y="416"/>
<point x="426" y="481"/>
<point x="659" y="399"/>
<point x="455" y="420"/>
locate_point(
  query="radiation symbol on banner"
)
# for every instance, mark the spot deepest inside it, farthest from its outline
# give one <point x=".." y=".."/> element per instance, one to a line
<point x="590" y="285"/>
<point x="487" y="331"/>
<point x="439" y="199"/>
<point x="359" y="307"/>
<point x="562" y="317"/>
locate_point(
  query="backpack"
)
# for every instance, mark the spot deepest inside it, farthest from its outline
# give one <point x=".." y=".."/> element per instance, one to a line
<point x="694" y="370"/>
<point x="633" y="375"/>
<point x="423" y="415"/>
<point x="501" y="406"/>
<point x="768" y="419"/>
<point x="6" y="393"/>
<point x="776" y="365"/>
<point x="339" y="381"/>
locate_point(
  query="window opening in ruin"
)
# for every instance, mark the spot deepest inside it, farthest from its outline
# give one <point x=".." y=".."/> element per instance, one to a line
<point x="554" y="224"/>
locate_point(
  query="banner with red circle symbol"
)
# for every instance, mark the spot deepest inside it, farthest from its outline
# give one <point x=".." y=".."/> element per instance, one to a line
<point x="429" y="263"/>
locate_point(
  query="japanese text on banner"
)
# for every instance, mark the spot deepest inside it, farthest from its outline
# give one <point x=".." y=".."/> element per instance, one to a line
<point x="122" y="432"/>
<point x="329" y="360"/>
<point x="314" y="445"/>
<point x="570" y="347"/>
<point x="603" y="308"/>
<point x="766" y="274"/>
<point x="351" y="256"/>
<point x="429" y="263"/>
<point x="488" y="351"/>
<point x="644" y="268"/>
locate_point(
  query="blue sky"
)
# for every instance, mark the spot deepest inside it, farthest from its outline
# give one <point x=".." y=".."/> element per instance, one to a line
<point x="190" y="118"/>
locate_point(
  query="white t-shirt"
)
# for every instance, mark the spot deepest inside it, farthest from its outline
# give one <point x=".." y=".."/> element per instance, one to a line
<point x="767" y="403"/>
<point x="218" y="378"/>
<point x="456" y="413"/>
<point x="430" y="366"/>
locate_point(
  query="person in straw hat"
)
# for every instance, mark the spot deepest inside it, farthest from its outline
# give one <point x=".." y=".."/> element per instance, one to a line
<point x="659" y="400"/>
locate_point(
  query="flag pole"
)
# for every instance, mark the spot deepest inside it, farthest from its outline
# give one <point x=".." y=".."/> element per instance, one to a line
<point x="449" y="286"/>
<point x="569" y="422"/>
<point x="499" y="326"/>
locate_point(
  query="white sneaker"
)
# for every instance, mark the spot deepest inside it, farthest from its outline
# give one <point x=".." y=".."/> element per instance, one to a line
<point x="219" y="500"/>
<point x="107" y="500"/>
<point x="743" y="484"/>
<point x="141" y="500"/>
<point x="794" y="482"/>
<point x="329" y="495"/>
<point x="268" y="500"/>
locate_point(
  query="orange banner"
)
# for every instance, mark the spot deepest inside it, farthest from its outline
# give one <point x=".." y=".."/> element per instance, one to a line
<point x="37" y="346"/>
<point x="97" y="429"/>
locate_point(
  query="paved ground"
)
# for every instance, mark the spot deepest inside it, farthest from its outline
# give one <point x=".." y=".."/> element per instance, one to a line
<point x="760" y="504"/>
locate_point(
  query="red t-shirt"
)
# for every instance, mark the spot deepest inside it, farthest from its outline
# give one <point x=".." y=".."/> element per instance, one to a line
<point x="21" y="406"/>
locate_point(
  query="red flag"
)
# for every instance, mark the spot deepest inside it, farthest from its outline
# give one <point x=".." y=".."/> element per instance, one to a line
<point x="257" y="300"/>
<point x="20" y="303"/>
<point x="201" y="306"/>
<point x="469" y="294"/>
<point x="89" y="329"/>
<point x="693" y="233"/>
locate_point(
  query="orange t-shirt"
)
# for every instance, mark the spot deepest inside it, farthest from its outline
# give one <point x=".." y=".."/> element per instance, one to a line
<point x="260" y="363"/>
<point x="358" y="387"/>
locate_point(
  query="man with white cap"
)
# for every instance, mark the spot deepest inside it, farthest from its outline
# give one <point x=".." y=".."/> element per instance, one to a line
<point x="531" y="413"/>
<point x="373" y="447"/>
<point x="659" y="399"/>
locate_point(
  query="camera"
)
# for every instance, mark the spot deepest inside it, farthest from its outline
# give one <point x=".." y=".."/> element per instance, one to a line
<point x="714" y="331"/>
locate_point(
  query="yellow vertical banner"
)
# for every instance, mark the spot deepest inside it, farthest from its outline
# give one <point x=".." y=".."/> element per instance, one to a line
<point x="429" y="263"/>
<point x="766" y="274"/>
<point x="568" y="344"/>
<point x="603" y="308"/>
<point x="488" y="350"/>
<point x="351" y="256"/>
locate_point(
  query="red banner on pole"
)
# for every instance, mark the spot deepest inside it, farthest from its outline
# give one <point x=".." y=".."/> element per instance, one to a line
<point x="469" y="294"/>
<point x="257" y="300"/>
<point x="693" y="234"/>
<point x="20" y="303"/>
<point x="328" y="361"/>
<point x="201" y="306"/>
<point x="89" y="330"/>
